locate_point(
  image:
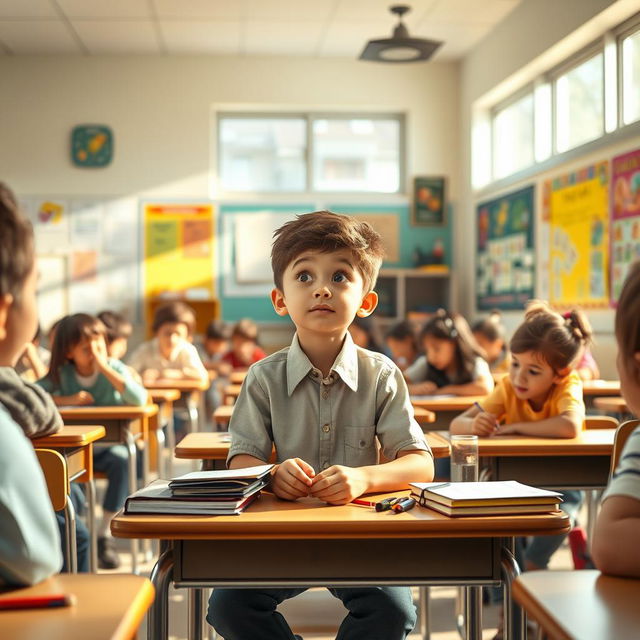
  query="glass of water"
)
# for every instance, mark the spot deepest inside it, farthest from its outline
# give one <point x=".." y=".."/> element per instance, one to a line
<point x="464" y="458"/>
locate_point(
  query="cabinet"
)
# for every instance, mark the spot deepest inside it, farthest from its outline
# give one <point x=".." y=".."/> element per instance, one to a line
<point x="413" y="293"/>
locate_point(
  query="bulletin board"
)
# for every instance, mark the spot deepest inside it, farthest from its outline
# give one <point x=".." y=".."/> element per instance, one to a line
<point x="625" y="217"/>
<point x="505" y="265"/>
<point x="179" y="251"/>
<point x="575" y="207"/>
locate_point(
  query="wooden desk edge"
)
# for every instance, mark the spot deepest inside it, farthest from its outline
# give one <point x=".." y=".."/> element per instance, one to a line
<point x="71" y="439"/>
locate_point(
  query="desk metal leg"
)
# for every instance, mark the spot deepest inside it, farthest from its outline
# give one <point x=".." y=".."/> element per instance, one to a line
<point x="473" y="613"/>
<point x="593" y="498"/>
<point x="91" y="522"/>
<point x="196" y="613"/>
<point x="70" y="535"/>
<point x="161" y="577"/>
<point x="171" y="443"/>
<point x="514" y="617"/>
<point x="132" y="452"/>
<point x="423" y="611"/>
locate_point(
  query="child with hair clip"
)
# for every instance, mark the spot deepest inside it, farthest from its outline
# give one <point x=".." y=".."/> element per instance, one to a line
<point x="403" y="344"/>
<point x="541" y="396"/>
<point x="615" y="542"/>
<point x="81" y="373"/>
<point x="489" y="333"/>
<point x="453" y="362"/>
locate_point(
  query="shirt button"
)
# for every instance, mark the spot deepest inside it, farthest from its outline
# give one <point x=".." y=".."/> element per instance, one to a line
<point x="326" y="428"/>
<point x="325" y="395"/>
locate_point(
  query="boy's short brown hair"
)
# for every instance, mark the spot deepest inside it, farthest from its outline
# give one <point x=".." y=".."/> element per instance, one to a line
<point x="116" y="325"/>
<point x="16" y="245"/>
<point x="325" y="232"/>
<point x="174" y="311"/>
<point x="246" y="329"/>
<point x="627" y="323"/>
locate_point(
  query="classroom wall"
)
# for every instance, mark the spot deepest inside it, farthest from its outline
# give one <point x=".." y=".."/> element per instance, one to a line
<point x="532" y="38"/>
<point x="161" y="111"/>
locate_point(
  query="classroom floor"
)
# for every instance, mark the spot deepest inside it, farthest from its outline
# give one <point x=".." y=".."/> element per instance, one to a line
<point x="316" y="614"/>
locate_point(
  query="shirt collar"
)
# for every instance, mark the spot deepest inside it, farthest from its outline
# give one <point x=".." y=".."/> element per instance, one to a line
<point x="345" y="364"/>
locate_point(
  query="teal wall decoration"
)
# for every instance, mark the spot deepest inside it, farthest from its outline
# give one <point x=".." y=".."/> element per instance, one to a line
<point x="91" y="145"/>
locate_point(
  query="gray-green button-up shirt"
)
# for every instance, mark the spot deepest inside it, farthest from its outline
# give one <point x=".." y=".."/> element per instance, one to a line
<point x="285" y="401"/>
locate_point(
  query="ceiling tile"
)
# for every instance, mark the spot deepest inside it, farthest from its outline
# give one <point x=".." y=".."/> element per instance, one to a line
<point x="191" y="9"/>
<point x="485" y="12"/>
<point x="39" y="36"/>
<point x="114" y="9"/>
<point x="221" y="37"/>
<point x="378" y="11"/>
<point x="302" y="10"/>
<point x="279" y="38"/>
<point x="348" y="39"/>
<point x="118" y="36"/>
<point x="27" y="9"/>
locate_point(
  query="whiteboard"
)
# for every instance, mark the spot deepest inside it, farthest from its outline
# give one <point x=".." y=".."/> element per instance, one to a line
<point x="253" y="235"/>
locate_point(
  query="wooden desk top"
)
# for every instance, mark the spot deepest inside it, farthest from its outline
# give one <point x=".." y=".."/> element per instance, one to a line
<point x="310" y="518"/>
<point x="438" y="403"/>
<point x="237" y="377"/>
<point x="164" y="395"/>
<point x="122" y="412"/>
<point x="593" y="442"/>
<point x="215" y="446"/>
<point x="71" y="436"/>
<point x="614" y="404"/>
<point x="181" y="385"/>
<point x="232" y="390"/>
<point x="601" y="388"/>
<point x="109" y="607"/>
<point x="580" y="605"/>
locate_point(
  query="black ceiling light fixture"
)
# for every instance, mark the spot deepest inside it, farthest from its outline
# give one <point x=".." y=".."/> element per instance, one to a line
<point x="401" y="47"/>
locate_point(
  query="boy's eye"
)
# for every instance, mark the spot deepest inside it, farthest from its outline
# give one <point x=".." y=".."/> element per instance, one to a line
<point x="514" y="364"/>
<point x="340" y="276"/>
<point x="304" y="276"/>
<point x="533" y="372"/>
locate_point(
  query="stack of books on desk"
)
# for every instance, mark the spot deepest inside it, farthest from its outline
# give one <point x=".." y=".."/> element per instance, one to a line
<point x="209" y="493"/>
<point x="484" y="498"/>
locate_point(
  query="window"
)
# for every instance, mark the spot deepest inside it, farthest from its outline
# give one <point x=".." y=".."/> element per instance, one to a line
<point x="631" y="78"/>
<point x="282" y="153"/>
<point x="579" y="104"/>
<point x="513" y="137"/>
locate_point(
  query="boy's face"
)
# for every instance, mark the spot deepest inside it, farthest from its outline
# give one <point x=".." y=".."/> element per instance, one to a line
<point x="323" y="292"/>
<point x="212" y="346"/>
<point x="493" y="348"/>
<point x="170" y="335"/>
<point x="18" y="321"/>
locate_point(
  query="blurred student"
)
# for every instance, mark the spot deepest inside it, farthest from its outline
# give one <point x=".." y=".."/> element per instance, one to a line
<point x="81" y="373"/>
<point x="213" y="348"/>
<point x="366" y="334"/>
<point x="587" y="367"/>
<point x="244" y="345"/>
<point x="453" y="362"/>
<point x="34" y="361"/>
<point x="118" y="332"/>
<point x="490" y="334"/>
<point x="615" y="543"/>
<point x="403" y="344"/>
<point x="29" y="537"/>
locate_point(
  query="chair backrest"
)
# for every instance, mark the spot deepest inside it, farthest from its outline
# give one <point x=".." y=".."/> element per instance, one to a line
<point x="600" y="422"/>
<point x="622" y="433"/>
<point x="54" y="467"/>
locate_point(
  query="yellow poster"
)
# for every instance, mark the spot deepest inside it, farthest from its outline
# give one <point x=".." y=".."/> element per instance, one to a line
<point x="179" y="251"/>
<point x="576" y="208"/>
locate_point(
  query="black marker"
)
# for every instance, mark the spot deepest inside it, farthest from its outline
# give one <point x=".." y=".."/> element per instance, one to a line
<point x="386" y="504"/>
<point x="404" y="505"/>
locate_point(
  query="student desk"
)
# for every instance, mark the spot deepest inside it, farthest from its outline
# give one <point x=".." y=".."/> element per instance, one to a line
<point x="238" y="376"/>
<point x="230" y="393"/>
<point x="191" y="390"/>
<point x="75" y="443"/>
<point x="446" y="407"/>
<point x="581" y="605"/>
<point x="600" y="388"/>
<point x="212" y="447"/>
<point x="164" y="398"/>
<point x="124" y="425"/>
<point x="614" y="404"/>
<point x="109" y="607"/>
<point x="336" y="545"/>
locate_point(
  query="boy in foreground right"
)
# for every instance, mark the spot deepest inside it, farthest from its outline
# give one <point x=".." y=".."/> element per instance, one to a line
<point x="323" y="402"/>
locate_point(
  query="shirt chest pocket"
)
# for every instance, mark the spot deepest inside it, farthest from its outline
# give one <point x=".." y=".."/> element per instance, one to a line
<point x="360" y="446"/>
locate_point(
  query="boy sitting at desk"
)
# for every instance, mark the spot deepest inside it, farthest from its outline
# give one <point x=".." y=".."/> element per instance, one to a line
<point x="323" y="402"/>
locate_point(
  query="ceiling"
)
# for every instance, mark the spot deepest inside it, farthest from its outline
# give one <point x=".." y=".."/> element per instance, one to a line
<point x="316" y="28"/>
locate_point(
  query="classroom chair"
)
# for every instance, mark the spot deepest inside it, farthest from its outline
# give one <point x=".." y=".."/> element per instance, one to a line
<point x="622" y="433"/>
<point x="54" y="467"/>
<point x="600" y="422"/>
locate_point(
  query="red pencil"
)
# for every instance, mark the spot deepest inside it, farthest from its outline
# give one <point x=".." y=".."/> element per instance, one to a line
<point x="37" y="602"/>
<point x="364" y="503"/>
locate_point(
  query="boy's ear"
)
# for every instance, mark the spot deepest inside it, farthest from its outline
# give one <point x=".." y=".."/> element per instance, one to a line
<point x="5" y="305"/>
<point x="636" y="357"/>
<point x="368" y="305"/>
<point x="277" y="300"/>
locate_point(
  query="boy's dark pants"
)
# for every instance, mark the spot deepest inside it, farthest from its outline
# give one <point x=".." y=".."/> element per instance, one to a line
<point x="375" y="613"/>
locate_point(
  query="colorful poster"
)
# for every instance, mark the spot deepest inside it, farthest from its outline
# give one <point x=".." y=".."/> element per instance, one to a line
<point x="505" y="266"/>
<point x="575" y="207"/>
<point x="625" y="217"/>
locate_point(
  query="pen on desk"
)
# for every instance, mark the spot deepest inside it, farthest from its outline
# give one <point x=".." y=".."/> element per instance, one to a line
<point x="386" y="504"/>
<point x="38" y="601"/>
<point x="364" y="503"/>
<point x="404" y="505"/>
<point x="477" y="405"/>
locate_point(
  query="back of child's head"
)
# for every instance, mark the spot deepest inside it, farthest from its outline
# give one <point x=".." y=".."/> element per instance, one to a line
<point x="403" y="330"/>
<point x="325" y="232"/>
<point x="627" y="323"/>
<point x="453" y="327"/>
<point x="116" y="326"/>
<point x="216" y="330"/>
<point x="175" y="312"/>
<point x="557" y="339"/>
<point x="16" y="246"/>
<point x="71" y="331"/>
<point x="490" y="327"/>
<point x="246" y="330"/>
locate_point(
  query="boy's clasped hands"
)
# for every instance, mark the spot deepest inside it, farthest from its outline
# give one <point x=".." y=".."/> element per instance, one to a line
<point x="294" y="478"/>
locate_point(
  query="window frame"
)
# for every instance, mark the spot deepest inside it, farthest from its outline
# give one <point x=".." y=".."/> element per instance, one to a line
<point x="627" y="28"/>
